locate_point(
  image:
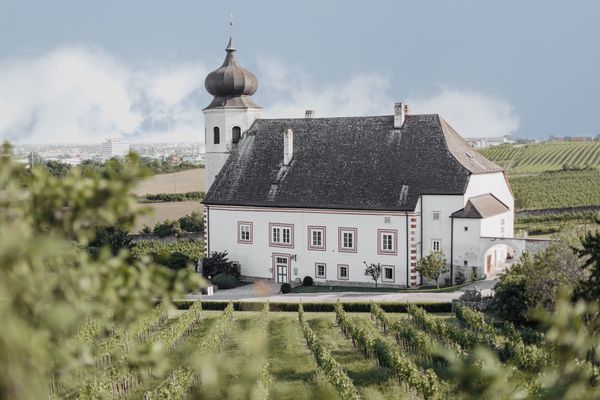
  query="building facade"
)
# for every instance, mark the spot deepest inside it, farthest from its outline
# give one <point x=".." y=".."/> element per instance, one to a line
<point x="114" y="148"/>
<point x="320" y="197"/>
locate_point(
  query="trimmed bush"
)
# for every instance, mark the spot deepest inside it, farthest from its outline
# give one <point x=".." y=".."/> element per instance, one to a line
<point x="225" y="281"/>
<point x="433" y="308"/>
<point x="459" y="279"/>
<point x="167" y="228"/>
<point x="193" y="222"/>
<point x="308" y="281"/>
<point x="286" y="288"/>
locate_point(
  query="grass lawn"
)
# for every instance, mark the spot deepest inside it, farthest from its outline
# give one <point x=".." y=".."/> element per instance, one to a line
<point x="325" y="289"/>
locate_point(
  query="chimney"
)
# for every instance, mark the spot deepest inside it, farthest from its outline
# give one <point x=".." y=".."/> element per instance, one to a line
<point x="288" y="146"/>
<point x="309" y="114"/>
<point x="401" y="110"/>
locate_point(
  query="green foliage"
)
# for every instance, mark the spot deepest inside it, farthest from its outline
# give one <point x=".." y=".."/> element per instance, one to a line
<point x="318" y="307"/>
<point x="557" y="189"/>
<point x="553" y="156"/>
<point x="424" y="383"/>
<point x="307" y="281"/>
<point x="167" y="228"/>
<point x="535" y="282"/>
<point x="165" y="167"/>
<point x="373" y="270"/>
<point x="174" y="255"/>
<point x="459" y="279"/>
<point x="112" y="237"/>
<point x="331" y="368"/>
<point x="57" y="168"/>
<point x="193" y="222"/>
<point x="432" y="266"/>
<point x="173" y="197"/>
<point x="590" y="253"/>
<point x="58" y="303"/>
<point x="225" y="281"/>
<point x="285" y="288"/>
<point x="218" y="263"/>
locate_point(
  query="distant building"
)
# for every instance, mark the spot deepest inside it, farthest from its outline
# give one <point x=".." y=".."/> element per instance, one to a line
<point x="479" y="143"/>
<point x="114" y="148"/>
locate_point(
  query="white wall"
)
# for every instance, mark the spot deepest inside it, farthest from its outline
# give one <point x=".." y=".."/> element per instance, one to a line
<point x="256" y="258"/>
<point x="225" y="119"/>
<point x="466" y="243"/>
<point x="494" y="183"/>
<point x="441" y="229"/>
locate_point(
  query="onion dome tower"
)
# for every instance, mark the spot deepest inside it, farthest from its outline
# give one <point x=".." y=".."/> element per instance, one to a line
<point x="231" y="112"/>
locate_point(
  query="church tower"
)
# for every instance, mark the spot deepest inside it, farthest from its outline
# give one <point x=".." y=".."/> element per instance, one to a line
<point x="230" y="113"/>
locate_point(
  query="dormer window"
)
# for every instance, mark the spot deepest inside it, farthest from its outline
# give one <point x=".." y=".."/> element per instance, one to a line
<point x="217" y="135"/>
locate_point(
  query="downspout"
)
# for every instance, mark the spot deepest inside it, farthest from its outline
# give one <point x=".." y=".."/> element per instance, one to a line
<point x="451" y="251"/>
<point x="407" y="255"/>
<point x="206" y="233"/>
<point x="421" y="240"/>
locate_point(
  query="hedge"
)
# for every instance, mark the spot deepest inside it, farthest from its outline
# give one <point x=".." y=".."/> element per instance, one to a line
<point x="314" y="307"/>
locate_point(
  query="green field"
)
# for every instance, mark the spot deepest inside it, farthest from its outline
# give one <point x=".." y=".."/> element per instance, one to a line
<point x="550" y="156"/>
<point x="288" y="355"/>
<point x="556" y="189"/>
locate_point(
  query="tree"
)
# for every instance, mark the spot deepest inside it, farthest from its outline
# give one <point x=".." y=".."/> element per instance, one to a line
<point x="50" y="286"/>
<point x="193" y="222"/>
<point x="432" y="266"/>
<point x="218" y="263"/>
<point x="373" y="270"/>
<point x="534" y="283"/>
<point x="57" y="168"/>
<point x="590" y="254"/>
<point x="114" y="238"/>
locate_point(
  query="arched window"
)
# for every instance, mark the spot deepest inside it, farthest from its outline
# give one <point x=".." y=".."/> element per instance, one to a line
<point x="236" y="133"/>
<point x="217" y="134"/>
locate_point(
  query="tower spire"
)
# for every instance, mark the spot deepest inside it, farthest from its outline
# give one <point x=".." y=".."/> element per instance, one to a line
<point x="230" y="46"/>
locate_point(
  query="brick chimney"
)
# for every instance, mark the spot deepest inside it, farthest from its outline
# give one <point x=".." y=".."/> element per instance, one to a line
<point x="288" y="146"/>
<point x="401" y="110"/>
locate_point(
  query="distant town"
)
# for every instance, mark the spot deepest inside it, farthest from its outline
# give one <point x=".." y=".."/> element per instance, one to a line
<point x="193" y="152"/>
<point x="75" y="154"/>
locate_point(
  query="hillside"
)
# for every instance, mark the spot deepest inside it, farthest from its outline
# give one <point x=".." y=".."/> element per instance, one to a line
<point x="536" y="158"/>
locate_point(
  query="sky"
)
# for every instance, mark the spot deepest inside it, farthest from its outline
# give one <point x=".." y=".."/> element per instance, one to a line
<point x="75" y="71"/>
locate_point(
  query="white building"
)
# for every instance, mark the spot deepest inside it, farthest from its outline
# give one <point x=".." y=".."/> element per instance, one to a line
<point x="114" y="148"/>
<point x="321" y="196"/>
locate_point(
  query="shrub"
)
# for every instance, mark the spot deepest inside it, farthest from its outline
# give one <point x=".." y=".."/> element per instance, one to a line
<point x="193" y="222"/>
<point x="307" y="281"/>
<point x="225" y="281"/>
<point x="146" y="230"/>
<point x="218" y="263"/>
<point x="286" y="288"/>
<point x="167" y="228"/>
<point x="174" y="255"/>
<point x="434" y="308"/>
<point x="173" y="197"/>
<point x="460" y="278"/>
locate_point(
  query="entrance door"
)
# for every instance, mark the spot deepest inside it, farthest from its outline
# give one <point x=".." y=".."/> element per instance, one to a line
<point x="281" y="269"/>
<point x="489" y="263"/>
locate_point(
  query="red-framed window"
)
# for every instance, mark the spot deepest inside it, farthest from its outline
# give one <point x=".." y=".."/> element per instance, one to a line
<point x="387" y="242"/>
<point x="245" y="232"/>
<point x="281" y="235"/>
<point x="321" y="270"/>
<point x="343" y="271"/>
<point x="317" y="238"/>
<point x="347" y="240"/>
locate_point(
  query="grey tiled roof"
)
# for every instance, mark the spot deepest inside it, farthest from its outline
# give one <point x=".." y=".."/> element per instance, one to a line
<point x="359" y="163"/>
<point x="483" y="206"/>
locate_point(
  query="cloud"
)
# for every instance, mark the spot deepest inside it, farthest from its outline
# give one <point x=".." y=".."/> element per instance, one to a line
<point x="472" y="113"/>
<point x="289" y="92"/>
<point x="80" y="95"/>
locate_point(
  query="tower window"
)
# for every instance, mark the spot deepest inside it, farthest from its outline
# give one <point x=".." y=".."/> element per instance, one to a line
<point x="217" y="134"/>
<point x="236" y="133"/>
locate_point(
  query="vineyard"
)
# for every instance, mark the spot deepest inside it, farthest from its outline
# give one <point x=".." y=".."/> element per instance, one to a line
<point x="557" y="189"/>
<point x="536" y="158"/>
<point x="299" y="355"/>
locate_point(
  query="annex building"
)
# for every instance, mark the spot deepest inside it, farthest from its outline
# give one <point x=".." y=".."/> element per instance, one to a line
<point x="287" y="198"/>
